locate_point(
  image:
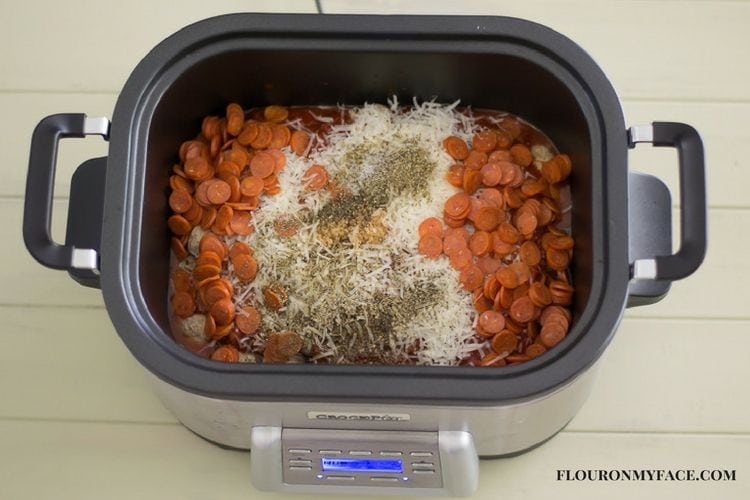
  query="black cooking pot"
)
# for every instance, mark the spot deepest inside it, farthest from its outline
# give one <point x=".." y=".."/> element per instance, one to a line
<point x="118" y="239"/>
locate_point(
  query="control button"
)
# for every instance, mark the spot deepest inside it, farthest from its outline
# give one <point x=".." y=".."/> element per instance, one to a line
<point x="297" y="461"/>
<point x="340" y="478"/>
<point x="421" y="453"/>
<point x="425" y="471"/>
<point x="329" y="452"/>
<point x="300" y="468"/>
<point x="298" y="451"/>
<point x="391" y="453"/>
<point x="384" y="479"/>
<point x="422" y="465"/>
<point x="359" y="453"/>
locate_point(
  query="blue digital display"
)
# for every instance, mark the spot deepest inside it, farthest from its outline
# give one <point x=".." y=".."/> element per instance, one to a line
<point x="360" y="465"/>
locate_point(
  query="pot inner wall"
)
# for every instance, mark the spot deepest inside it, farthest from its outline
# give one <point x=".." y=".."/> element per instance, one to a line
<point x="257" y="78"/>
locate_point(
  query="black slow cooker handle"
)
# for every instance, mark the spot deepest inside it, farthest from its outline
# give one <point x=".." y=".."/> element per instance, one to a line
<point x="37" y="212"/>
<point x="693" y="206"/>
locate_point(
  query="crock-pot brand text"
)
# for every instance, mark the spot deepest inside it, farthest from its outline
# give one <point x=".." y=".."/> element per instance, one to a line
<point x="371" y="417"/>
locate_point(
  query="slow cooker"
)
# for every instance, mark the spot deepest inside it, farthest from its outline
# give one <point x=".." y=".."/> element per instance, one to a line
<point x="367" y="429"/>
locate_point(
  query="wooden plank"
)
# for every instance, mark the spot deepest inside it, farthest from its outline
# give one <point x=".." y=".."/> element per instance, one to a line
<point x="100" y="49"/>
<point x="26" y="110"/>
<point x="89" y="45"/>
<point x="658" y="376"/>
<point x="74" y="367"/>
<point x="628" y="39"/>
<point x="675" y="387"/>
<point x="721" y="124"/>
<point x="83" y="460"/>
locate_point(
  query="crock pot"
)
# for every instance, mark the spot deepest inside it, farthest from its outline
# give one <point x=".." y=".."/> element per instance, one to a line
<point x="367" y="429"/>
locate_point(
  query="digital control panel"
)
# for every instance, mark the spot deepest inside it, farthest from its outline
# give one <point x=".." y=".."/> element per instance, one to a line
<point x="351" y="457"/>
<point x="379" y="462"/>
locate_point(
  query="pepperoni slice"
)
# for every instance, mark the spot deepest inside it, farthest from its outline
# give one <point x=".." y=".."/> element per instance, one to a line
<point x="431" y="246"/>
<point x="562" y="243"/>
<point x="183" y="304"/>
<point x="472" y="181"/>
<point x="507" y="277"/>
<point x="487" y="219"/>
<point x="453" y="242"/>
<point x="480" y="243"/>
<point x="461" y="258"/>
<point x="180" y="201"/>
<point x="556" y="259"/>
<point x="471" y="277"/>
<point x="492" y="174"/>
<point x="521" y="155"/>
<point x="540" y="294"/>
<point x="245" y="267"/>
<point x="262" y="165"/>
<point x="504" y="342"/>
<point x="181" y="280"/>
<point x="499" y="155"/>
<point x="484" y="141"/>
<point x="179" y="225"/>
<point x="522" y="310"/>
<point x="241" y="223"/>
<point x="508" y="233"/>
<point x="535" y="350"/>
<point x="552" y="334"/>
<point x="456" y="147"/>
<point x="263" y="139"/>
<point x="491" y="287"/>
<point x="239" y="248"/>
<point x="235" y="119"/>
<point x="226" y="354"/>
<point x="223" y="312"/>
<point x="526" y="223"/>
<point x="275" y="113"/>
<point x="458" y="206"/>
<point x="248" y="320"/>
<point x="315" y="177"/>
<point x="493" y="197"/>
<point x="249" y="133"/>
<point x="208" y="257"/>
<point x="489" y="265"/>
<point x="218" y="191"/>
<point x="178" y="249"/>
<point x="458" y="231"/>
<point x="299" y="142"/>
<point x="280" y="136"/>
<point x="475" y="160"/>
<point x="492" y="322"/>
<point x="279" y="157"/>
<point x="215" y="292"/>
<point x="530" y="253"/>
<point x="251" y="186"/>
<point x="455" y="175"/>
<point x="211" y="243"/>
<point x="431" y="225"/>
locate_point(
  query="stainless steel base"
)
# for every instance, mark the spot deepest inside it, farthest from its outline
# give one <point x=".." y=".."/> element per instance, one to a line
<point x="497" y="430"/>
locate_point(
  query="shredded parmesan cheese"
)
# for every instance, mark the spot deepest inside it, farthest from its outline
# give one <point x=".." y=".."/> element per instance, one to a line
<point x="358" y="289"/>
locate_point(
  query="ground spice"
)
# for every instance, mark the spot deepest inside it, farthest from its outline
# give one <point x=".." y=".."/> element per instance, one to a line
<point x="391" y="170"/>
<point x="357" y="331"/>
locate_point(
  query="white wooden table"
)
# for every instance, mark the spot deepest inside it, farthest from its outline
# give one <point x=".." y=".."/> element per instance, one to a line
<point x="77" y="418"/>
